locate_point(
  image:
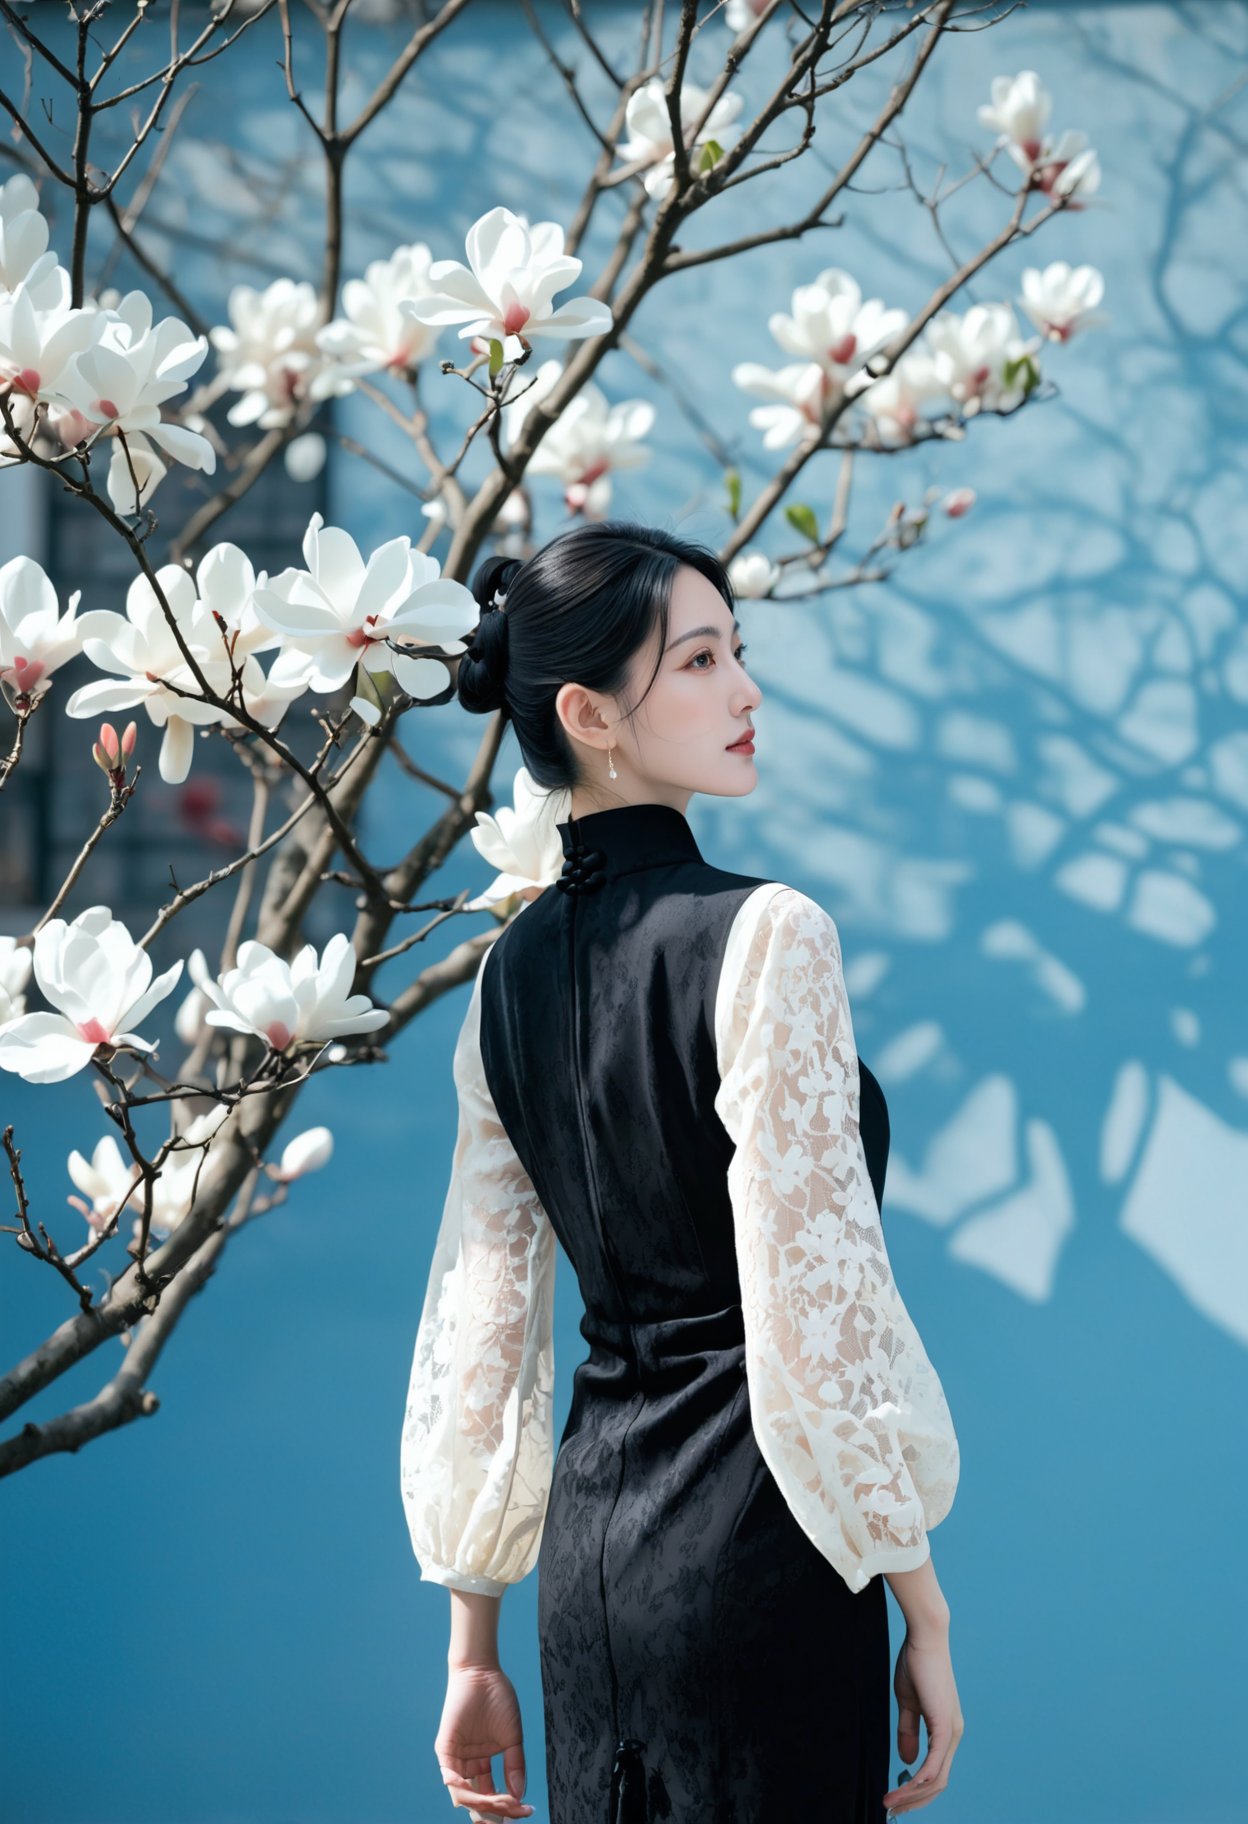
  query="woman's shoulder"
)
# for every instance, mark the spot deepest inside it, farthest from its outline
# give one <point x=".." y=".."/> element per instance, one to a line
<point x="777" y="911"/>
<point x="781" y="942"/>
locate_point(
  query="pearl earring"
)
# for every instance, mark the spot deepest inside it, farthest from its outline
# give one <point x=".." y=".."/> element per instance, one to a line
<point x="611" y="772"/>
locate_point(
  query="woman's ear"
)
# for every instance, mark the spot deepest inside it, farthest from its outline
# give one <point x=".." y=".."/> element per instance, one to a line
<point x="580" y="712"/>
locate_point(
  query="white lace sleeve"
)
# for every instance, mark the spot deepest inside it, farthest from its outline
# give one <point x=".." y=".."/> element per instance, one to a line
<point x="849" y="1414"/>
<point x="477" y="1448"/>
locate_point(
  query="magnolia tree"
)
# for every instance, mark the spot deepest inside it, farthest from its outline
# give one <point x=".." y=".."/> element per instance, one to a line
<point x="104" y="393"/>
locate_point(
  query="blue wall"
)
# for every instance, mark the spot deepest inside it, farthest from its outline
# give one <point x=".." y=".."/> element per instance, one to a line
<point x="1017" y="774"/>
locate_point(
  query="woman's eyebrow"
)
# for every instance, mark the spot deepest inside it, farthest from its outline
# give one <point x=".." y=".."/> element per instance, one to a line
<point x="700" y="633"/>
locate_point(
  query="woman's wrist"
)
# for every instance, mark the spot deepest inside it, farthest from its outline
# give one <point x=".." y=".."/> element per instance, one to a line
<point x="922" y="1602"/>
<point x="923" y="1631"/>
<point x="474" y="1631"/>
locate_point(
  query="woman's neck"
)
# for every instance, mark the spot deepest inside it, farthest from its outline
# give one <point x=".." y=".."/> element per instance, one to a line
<point x="676" y="796"/>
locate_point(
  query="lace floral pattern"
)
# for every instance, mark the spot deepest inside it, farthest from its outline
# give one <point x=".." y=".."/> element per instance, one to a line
<point x="477" y="1443"/>
<point x="849" y="1414"/>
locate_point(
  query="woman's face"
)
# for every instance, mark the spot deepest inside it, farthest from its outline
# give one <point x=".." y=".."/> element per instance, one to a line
<point x="679" y="740"/>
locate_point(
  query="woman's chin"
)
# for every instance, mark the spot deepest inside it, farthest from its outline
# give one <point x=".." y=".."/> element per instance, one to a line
<point x="743" y="777"/>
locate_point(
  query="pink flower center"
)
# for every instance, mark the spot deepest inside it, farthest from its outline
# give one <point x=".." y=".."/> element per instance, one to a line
<point x="366" y="635"/>
<point x="107" y="407"/>
<point x="843" y="351"/>
<point x="96" y="1031"/>
<point x="516" y="318"/>
<point x="594" y="470"/>
<point x="1031" y="147"/>
<point x="73" y="428"/>
<point x="278" y="1035"/>
<point x="27" y="672"/>
<point x="26" y="380"/>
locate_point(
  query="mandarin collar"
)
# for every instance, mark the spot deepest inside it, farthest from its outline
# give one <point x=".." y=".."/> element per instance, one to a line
<point x="621" y="839"/>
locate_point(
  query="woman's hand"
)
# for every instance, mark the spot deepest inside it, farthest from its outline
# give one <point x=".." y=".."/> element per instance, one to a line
<point x="925" y="1687"/>
<point x="481" y="1718"/>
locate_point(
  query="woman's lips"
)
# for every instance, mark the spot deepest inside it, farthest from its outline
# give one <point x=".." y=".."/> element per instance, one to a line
<point x="744" y="746"/>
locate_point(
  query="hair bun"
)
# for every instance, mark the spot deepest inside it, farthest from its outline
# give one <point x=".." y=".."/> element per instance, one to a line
<point x="481" y="681"/>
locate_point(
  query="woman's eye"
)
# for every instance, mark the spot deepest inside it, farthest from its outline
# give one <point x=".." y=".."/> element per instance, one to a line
<point x="708" y="654"/>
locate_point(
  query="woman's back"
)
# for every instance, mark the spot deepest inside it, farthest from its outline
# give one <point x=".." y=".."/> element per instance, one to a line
<point x="598" y="1042"/>
<point x="661" y="1059"/>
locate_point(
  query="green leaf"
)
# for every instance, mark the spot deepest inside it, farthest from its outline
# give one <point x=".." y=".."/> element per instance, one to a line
<point x="712" y="152"/>
<point x="496" y="356"/>
<point x="1026" y="366"/>
<point x="803" y="520"/>
<point x="732" y="481"/>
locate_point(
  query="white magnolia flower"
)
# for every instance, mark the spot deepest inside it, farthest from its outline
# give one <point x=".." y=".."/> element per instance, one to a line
<point x="39" y="345"/>
<point x="752" y="574"/>
<point x="307" y="1152"/>
<point x="1019" y="112"/>
<point x="740" y="13"/>
<point x="304" y="457"/>
<point x="514" y="514"/>
<point x="530" y="385"/>
<point x="1078" y="173"/>
<point x="978" y="358"/>
<point x="24" y="255"/>
<point x="141" y="646"/>
<point x="15" y="966"/>
<point x="1061" y="300"/>
<point x="897" y="402"/>
<point x="100" y="981"/>
<point x="506" y="290"/>
<point x="35" y="638"/>
<point x="831" y="324"/>
<point x="798" y="396"/>
<point x="188" y="1021"/>
<point x="120" y="380"/>
<point x="111" y="1183"/>
<point x="182" y="1173"/>
<point x="269" y="353"/>
<point x="227" y="585"/>
<point x="288" y="1003"/>
<point x="650" y="128"/>
<point x="376" y="332"/>
<point x="339" y="613"/>
<point x="586" y="443"/>
<point x="522" y="843"/>
<point x="106" y="1181"/>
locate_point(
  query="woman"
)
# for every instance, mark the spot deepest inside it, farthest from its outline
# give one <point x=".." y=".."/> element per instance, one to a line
<point x="657" y="1071"/>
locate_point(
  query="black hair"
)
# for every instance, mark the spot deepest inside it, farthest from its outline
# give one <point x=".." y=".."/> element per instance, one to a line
<point x="577" y="611"/>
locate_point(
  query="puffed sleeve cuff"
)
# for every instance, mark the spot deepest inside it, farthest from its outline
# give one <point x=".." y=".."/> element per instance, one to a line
<point x="462" y="1580"/>
<point x="894" y="1558"/>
